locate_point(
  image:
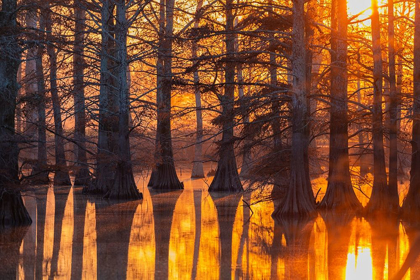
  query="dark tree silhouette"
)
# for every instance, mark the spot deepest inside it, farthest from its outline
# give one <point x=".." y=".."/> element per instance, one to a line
<point x="379" y="200"/>
<point x="108" y="105"/>
<point x="299" y="200"/>
<point x="164" y="174"/>
<point x="124" y="186"/>
<point x="340" y="194"/>
<point x="412" y="201"/>
<point x="12" y="209"/>
<point x="227" y="177"/>
<point x="61" y="176"/>
<point x="82" y="173"/>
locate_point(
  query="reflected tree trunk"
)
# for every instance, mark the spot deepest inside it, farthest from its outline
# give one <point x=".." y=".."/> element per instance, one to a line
<point x="226" y="209"/>
<point x="113" y="258"/>
<point x="163" y="208"/>
<point x="10" y="242"/>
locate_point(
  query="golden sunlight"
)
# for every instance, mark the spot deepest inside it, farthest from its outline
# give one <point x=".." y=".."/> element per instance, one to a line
<point x="358" y="7"/>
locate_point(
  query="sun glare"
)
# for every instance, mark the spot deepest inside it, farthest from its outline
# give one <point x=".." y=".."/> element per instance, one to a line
<point x="358" y="7"/>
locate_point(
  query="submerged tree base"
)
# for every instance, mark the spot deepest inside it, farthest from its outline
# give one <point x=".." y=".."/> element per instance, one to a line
<point x="12" y="209"/>
<point x="299" y="200"/>
<point x="39" y="177"/>
<point x="124" y="186"/>
<point x="340" y="197"/>
<point x="198" y="170"/>
<point x="62" y="178"/>
<point x="165" y="178"/>
<point x="226" y="178"/>
<point x="82" y="177"/>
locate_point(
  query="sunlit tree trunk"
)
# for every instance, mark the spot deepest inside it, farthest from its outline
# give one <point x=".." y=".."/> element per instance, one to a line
<point x="39" y="171"/>
<point x="124" y="186"/>
<point x="313" y="61"/>
<point x="340" y="195"/>
<point x="393" y="113"/>
<point x="105" y="170"/>
<point x="378" y="200"/>
<point x="412" y="201"/>
<point x="363" y="157"/>
<point x="198" y="170"/>
<point x="82" y="173"/>
<point x="61" y="173"/>
<point x="12" y="209"/>
<point x="165" y="176"/>
<point x="227" y="177"/>
<point x="299" y="200"/>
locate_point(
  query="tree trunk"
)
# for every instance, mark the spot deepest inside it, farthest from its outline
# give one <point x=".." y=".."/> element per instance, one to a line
<point x="105" y="168"/>
<point x="30" y="87"/>
<point x="340" y="194"/>
<point x="165" y="176"/>
<point x="412" y="201"/>
<point x="379" y="199"/>
<point x="246" y="154"/>
<point x="40" y="170"/>
<point x="299" y="200"/>
<point x="124" y="186"/>
<point x="61" y="172"/>
<point x="12" y="209"/>
<point x="393" y="114"/>
<point x="82" y="173"/>
<point x="363" y="157"/>
<point x="227" y="177"/>
<point x="281" y="180"/>
<point x="198" y="170"/>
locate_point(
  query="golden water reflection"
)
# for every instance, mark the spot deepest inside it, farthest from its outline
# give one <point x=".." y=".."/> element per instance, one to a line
<point x="198" y="244"/>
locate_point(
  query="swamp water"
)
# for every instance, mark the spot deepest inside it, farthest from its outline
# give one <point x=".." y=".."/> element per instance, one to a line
<point x="191" y="234"/>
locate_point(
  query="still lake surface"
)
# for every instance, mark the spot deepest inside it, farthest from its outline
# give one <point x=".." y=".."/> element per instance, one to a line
<point x="192" y="234"/>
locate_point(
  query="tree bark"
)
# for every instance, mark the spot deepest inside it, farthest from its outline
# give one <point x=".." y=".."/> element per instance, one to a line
<point x="124" y="186"/>
<point x="198" y="170"/>
<point x="363" y="157"/>
<point x="40" y="169"/>
<point x="165" y="176"/>
<point x="61" y="172"/>
<point x="12" y="209"/>
<point x="82" y="173"/>
<point x="105" y="167"/>
<point x="227" y="177"/>
<point x="340" y="195"/>
<point x="393" y="114"/>
<point x="412" y="201"/>
<point x="299" y="200"/>
<point x="379" y="199"/>
<point x="29" y="108"/>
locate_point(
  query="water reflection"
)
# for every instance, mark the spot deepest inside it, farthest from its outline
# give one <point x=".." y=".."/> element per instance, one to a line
<point x="192" y="234"/>
<point x="90" y="257"/>
<point x="142" y="244"/>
